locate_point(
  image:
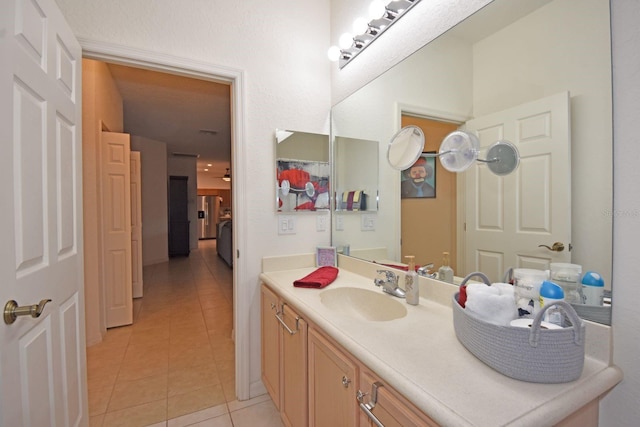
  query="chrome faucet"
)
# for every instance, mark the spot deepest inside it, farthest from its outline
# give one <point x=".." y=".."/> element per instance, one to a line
<point x="389" y="284"/>
<point x="424" y="271"/>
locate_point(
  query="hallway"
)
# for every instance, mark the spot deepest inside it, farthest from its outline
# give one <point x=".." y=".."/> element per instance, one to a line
<point x="175" y="366"/>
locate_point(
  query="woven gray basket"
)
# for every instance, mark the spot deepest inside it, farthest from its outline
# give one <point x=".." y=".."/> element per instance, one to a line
<point x="529" y="354"/>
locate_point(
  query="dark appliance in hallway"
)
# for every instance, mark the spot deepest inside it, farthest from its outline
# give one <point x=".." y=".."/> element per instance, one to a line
<point x="178" y="216"/>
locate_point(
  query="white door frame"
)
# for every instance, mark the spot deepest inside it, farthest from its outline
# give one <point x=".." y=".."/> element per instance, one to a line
<point x="138" y="58"/>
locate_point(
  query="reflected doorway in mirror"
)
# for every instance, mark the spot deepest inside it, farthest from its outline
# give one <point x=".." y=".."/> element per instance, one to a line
<point x="419" y="181"/>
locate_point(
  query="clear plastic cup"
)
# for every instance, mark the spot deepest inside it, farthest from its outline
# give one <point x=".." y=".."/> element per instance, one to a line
<point x="568" y="277"/>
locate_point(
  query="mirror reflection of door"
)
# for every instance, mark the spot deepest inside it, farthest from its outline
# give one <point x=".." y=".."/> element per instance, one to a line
<point x="509" y="217"/>
<point x="429" y="224"/>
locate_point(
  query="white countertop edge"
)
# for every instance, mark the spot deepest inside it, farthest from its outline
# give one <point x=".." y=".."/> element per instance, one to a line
<point x="580" y="392"/>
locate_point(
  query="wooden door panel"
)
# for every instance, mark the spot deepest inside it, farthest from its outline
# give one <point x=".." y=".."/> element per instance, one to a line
<point x="270" y="344"/>
<point x="293" y="370"/>
<point x="332" y="380"/>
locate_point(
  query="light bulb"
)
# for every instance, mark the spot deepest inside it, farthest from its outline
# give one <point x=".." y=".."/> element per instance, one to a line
<point x="360" y="26"/>
<point x="377" y="9"/>
<point x="333" y="53"/>
<point x="345" y="41"/>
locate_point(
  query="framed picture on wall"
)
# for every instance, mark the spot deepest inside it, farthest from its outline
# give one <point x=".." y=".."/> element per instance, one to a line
<point x="326" y="255"/>
<point x="419" y="180"/>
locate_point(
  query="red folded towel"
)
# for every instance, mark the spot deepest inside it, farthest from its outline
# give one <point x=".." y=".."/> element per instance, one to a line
<point x="320" y="278"/>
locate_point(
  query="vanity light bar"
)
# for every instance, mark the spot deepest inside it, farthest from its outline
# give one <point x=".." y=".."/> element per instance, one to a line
<point x="387" y="15"/>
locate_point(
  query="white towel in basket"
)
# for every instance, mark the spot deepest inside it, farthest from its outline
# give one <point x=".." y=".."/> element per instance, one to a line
<point x="494" y="304"/>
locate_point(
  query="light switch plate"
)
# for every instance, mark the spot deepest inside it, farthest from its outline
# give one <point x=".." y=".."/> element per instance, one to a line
<point x="339" y="223"/>
<point x="321" y="223"/>
<point x="286" y="224"/>
<point x="368" y="222"/>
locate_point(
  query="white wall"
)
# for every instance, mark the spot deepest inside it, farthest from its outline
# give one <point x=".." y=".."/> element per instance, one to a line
<point x="620" y="407"/>
<point x="281" y="47"/>
<point x="155" y="239"/>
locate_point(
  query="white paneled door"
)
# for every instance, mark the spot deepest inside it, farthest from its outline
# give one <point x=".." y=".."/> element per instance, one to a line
<point x="116" y="227"/>
<point x="42" y="357"/>
<point x="508" y="218"/>
<point x="136" y="224"/>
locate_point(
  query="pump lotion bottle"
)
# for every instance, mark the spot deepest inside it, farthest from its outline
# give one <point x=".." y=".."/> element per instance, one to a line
<point x="411" y="288"/>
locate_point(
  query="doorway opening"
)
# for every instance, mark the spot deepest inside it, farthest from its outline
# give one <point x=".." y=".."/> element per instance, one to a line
<point x="428" y="221"/>
<point x="234" y="79"/>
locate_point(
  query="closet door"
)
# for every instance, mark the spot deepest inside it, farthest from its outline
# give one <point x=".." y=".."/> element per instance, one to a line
<point x="178" y="216"/>
<point x="116" y="228"/>
<point x="136" y="224"/>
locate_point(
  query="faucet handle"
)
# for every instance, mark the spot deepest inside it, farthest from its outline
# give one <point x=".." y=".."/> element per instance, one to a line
<point x="390" y="275"/>
<point x="424" y="270"/>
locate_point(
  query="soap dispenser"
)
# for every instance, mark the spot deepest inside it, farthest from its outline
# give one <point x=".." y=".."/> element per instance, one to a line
<point x="411" y="287"/>
<point x="445" y="273"/>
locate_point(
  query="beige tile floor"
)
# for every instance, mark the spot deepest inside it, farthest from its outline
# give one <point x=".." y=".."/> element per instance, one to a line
<point x="175" y="366"/>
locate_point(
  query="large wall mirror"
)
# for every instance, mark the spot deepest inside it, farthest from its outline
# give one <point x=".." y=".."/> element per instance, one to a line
<point x="540" y="63"/>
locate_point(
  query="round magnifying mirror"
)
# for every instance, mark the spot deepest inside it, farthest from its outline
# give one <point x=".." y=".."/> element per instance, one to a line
<point x="503" y="158"/>
<point x="405" y="147"/>
<point x="458" y="151"/>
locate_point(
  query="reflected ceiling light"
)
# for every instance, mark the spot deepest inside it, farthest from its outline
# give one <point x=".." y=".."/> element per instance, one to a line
<point x="345" y="41"/>
<point x="227" y="176"/>
<point x="382" y="14"/>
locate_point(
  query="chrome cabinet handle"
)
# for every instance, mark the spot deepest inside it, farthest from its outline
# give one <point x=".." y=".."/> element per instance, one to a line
<point x="368" y="407"/>
<point x="283" y="323"/>
<point x="12" y="310"/>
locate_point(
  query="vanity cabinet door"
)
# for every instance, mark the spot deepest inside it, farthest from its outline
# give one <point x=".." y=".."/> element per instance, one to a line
<point x="389" y="407"/>
<point x="332" y="383"/>
<point x="293" y="370"/>
<point x="270" y="346"/>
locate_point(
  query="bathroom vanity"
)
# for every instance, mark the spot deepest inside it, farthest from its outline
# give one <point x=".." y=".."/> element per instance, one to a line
<point x="327" y="352"/>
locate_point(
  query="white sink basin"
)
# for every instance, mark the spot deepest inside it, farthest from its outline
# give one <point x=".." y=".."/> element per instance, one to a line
<point x="363" y="304"/>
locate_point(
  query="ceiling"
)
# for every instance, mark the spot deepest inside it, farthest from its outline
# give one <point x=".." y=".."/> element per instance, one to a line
<point x="191" y="116"/>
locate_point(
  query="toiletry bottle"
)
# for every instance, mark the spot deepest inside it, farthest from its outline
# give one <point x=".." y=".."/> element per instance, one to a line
<point x="550" y="293"/>
<point x="445" y="273"/>
<point x="592" y="289"/>
<point x="411" y="287"/>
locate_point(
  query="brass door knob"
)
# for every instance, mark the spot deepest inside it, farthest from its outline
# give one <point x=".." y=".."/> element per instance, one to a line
<point x="556" y="247"/>
<point x="12" y="310"/>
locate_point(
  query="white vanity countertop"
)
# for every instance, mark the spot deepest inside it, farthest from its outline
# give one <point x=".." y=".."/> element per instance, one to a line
<point x="420" y="356"/>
